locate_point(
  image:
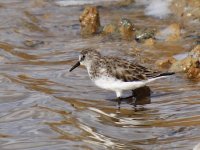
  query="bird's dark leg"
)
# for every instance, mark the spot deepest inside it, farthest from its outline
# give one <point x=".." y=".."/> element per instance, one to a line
<point x="119" y="102"/>
<point x="118" y="94"/>
<point x="134" y="98"/>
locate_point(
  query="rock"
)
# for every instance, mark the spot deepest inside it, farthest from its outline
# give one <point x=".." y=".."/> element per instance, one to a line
<point x="143" y="34"/>
<point x="170" y="33"/>
<point x="33" y="43"/>
<point x="109" y="29"/>
<point x="190" y="65"/>
<point x="186" y="10"/>
<point x="165" y="62"/>
<point x="193" y="73"/>
<point x="175" y="32"/>
<point x="126" y="29"/>
<point x="149" y="42"/>
<point x="184" y="65"/>
<point x="90" y="21"/>
<point x="196" y="52"/>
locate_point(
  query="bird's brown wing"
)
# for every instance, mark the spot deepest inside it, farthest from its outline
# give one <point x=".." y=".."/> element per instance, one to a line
<point x="129" y="71"/>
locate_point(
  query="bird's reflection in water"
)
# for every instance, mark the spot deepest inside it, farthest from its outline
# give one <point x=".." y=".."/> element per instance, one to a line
<point x="140" y="96"/>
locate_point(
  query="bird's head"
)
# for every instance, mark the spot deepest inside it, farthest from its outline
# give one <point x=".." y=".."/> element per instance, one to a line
<point x="86" y="57"/>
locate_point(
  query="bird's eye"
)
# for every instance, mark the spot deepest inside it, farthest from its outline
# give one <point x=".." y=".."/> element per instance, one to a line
<point x="83" y="57"/>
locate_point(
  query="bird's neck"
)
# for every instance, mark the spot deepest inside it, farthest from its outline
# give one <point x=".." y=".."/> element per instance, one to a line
<point x="92" y="68"/>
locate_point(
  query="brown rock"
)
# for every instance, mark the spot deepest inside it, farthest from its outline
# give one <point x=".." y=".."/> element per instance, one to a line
<point x="196" y="52"/>
<point x="170" y="33"/>
<point x="165" y="62"/>
<point x="89" y="20"/>
<point x="126" y="29"/>
<point x="149" y="42"/>
<point x="193" y="73"/>
<point x="184" y="65"/>
<point x="190" y="64"/>
<point x="110" y="28"/>
<point x="186" y="10"/>
<point x="175" y="32"/>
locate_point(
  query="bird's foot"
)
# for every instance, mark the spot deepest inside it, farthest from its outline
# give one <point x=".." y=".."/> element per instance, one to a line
<point x="118" y="104"/>
<point x="134" y="102"/>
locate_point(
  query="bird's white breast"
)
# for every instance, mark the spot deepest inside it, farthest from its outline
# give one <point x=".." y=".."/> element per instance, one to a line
<point x="113" y="84"/>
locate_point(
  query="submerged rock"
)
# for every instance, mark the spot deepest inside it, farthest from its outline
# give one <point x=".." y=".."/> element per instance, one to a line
<point x="90" y="21"/>
<point x="149" y="42"/>
<point x="165" y="62"/>
<point x="33" y="43"/>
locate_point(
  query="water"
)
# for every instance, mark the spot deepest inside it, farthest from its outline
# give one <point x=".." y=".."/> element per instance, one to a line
<point x="43" y="106"/>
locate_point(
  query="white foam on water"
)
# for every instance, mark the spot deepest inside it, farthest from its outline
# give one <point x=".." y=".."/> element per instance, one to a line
<point x="158" y="8"/>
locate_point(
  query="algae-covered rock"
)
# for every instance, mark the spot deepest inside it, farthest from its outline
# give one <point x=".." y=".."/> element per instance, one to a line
<point x="90" y="20"/>
<point x="146" y="33"/>
<point x="126" y="29"/>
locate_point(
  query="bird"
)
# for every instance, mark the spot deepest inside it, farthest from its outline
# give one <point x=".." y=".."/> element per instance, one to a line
<point x="116" y="74"/>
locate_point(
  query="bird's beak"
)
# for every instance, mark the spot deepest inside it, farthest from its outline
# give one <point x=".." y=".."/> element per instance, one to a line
<point x="76" y="65"/>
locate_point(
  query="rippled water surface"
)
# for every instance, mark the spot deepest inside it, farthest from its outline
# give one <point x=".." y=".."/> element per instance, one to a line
<point x="44" y="107"/>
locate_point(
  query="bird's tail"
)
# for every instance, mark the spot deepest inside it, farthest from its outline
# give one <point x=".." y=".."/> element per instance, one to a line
<point x="166" y="74"/>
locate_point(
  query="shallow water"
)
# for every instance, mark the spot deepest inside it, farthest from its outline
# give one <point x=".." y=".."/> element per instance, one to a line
<point x="43" y="106"/>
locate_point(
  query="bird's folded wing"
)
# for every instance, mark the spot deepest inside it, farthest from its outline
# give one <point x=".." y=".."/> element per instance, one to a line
<point x="127" y="71"/>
